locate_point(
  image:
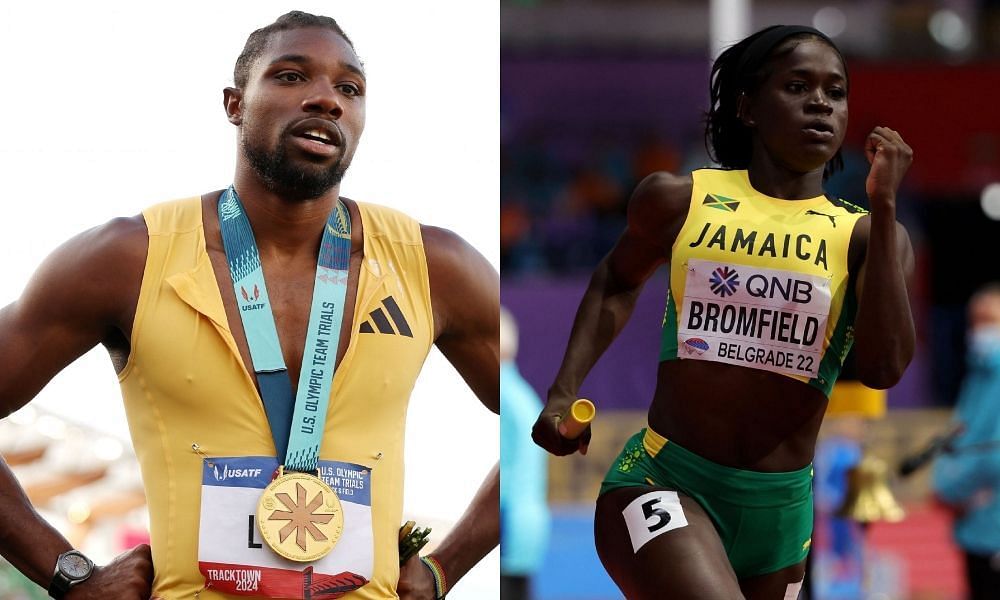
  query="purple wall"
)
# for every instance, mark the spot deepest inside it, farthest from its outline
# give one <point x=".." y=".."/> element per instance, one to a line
<point x="609" y="92"/>
<point x="626" y="374"/>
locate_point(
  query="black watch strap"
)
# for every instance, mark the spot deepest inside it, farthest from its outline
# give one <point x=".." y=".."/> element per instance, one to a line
<point x="59" y="586"/>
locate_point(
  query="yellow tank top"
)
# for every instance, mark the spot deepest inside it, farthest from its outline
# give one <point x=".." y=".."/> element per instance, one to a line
<point x="761" y="282"/>
<point x="189" y="397"/>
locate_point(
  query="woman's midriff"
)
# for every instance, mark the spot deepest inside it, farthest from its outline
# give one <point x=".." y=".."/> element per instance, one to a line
<point x="737" y="417"/>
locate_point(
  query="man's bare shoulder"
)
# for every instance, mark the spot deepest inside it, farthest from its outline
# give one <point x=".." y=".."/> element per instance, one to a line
<point x="81" y="295"/>
<point x="100" y="268"/>
<point x="443" y="243"/>
<point x="119" y="244"/>
<point x="451" y="257"/>
<point x="464" y="285"/>
<point x="465" y="296"/>
<point x="121" y="234"/>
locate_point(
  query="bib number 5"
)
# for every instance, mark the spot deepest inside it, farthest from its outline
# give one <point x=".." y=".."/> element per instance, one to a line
<point x="651" y="515"/>
<point x="659" y="515"/>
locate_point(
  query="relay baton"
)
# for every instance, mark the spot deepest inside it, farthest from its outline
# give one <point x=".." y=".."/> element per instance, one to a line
<point x="576" y="419"/>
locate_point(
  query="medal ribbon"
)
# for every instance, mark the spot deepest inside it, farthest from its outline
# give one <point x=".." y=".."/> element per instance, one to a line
<point x="296" y="424"/>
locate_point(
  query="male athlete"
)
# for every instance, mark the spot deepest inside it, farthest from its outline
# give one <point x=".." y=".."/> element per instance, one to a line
<point x="265" y="388"/>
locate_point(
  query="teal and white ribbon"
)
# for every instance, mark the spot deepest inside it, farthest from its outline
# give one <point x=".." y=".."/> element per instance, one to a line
<point x="296" y="425"/>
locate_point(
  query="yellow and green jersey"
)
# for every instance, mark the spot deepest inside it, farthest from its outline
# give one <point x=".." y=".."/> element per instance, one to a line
<point x="761" y="282"/>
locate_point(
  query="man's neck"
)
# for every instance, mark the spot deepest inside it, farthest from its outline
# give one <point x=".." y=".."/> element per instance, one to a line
<point x="282" y="225"/>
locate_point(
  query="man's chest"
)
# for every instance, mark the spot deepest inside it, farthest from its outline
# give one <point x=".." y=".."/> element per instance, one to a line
<point x="289" y="293"/>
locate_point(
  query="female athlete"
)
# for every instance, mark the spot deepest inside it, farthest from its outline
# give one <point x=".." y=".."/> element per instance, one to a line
<point x="771" y="282"/>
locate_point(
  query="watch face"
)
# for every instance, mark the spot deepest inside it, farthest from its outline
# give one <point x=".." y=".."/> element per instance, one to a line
<point x="74" y="566"/>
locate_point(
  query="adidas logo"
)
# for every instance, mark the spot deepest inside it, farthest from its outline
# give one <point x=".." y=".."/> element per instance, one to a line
<point x="380" y="319"/>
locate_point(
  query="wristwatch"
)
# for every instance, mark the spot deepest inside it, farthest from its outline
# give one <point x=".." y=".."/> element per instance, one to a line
<point x="72" y="567"/>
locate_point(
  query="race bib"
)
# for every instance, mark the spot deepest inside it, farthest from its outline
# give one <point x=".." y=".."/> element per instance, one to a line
<point x="235" y="560"/>
<point x="754" y="317"/>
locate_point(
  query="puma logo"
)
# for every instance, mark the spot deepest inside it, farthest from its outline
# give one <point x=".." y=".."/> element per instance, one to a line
<point x="831" y="217"/>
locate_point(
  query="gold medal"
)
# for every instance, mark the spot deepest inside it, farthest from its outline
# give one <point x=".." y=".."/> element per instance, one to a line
<point x="299" y="516"/>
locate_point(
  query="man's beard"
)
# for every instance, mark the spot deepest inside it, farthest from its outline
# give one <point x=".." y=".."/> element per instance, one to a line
<point x="289" y="181"/>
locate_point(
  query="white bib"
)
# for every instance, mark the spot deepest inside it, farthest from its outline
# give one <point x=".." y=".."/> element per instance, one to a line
<point x="767" y="319"/>
<point x="234" y="559"/>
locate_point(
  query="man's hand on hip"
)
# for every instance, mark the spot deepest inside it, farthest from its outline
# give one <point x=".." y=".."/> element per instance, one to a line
<point x="415" y="581"/>
<point x="128" y="577"/>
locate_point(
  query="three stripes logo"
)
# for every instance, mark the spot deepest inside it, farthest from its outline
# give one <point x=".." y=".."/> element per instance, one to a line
<point x="721" y="203"/>
<point x="382" y="321"/>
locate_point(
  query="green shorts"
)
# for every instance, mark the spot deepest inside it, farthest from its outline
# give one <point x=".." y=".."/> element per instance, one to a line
<point x="765" y="520"/>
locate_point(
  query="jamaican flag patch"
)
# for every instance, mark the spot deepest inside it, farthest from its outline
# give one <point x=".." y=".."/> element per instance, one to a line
<point x="721" y="203"/>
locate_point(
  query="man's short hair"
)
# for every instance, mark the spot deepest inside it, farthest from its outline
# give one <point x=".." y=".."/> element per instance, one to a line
<point x="258" y="39"/>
